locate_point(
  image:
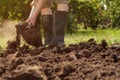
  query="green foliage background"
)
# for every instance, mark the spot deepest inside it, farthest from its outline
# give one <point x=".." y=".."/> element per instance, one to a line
<point x="89" y="13"/>
<point x="14" y="9"/>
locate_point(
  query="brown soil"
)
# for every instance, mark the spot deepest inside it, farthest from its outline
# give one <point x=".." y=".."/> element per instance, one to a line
<point x="85" y="61"/>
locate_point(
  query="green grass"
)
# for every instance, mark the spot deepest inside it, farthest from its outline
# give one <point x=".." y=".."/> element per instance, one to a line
<point x="110" y="35"/>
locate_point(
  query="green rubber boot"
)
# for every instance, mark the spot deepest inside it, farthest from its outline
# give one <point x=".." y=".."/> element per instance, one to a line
<point x="47" y="21"/>
<point x="60" y="18"/>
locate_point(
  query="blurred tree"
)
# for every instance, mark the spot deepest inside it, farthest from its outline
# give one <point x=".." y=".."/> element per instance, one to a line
<point x="86" y="12"/>
<point x="115" y="12"/>
<point x="90" y="13"/>
<point x="14" y="9"/>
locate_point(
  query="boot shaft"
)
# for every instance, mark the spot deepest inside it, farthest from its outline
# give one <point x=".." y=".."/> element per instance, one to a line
<point x="47" y="21"/>
<point x="60" y="18"/>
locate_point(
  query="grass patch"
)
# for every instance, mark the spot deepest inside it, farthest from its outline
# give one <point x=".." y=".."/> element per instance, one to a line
<point x="110" y="35"/>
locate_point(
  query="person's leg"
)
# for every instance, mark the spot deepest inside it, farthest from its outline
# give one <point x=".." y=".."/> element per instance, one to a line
<point x="60" y="17"/>
<point x="62" y="7"/>
<point x="47" y="21"/>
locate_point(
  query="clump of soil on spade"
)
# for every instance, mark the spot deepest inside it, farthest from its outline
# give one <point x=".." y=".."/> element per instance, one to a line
<point x="83" y="61"/>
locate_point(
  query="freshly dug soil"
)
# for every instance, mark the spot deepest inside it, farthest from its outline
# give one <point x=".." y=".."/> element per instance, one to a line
<point x="83" y="61"/>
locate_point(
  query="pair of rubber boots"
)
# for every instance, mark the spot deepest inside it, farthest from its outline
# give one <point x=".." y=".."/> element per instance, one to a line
<point x="54" y="29"/>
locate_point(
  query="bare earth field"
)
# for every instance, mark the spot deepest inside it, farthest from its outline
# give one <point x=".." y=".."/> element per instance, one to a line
<point x="84" y="61"/>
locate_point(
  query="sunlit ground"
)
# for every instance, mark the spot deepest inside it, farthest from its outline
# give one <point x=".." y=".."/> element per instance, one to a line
<point x="7" y="32"/>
